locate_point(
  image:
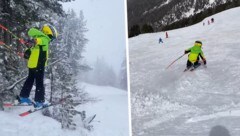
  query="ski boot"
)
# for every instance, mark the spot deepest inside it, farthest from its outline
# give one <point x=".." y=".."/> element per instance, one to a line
<point x="24" y="101"/>
<point x="195" y="66"/>
<point x="39" y="105"/>
<point x="187" y="68"/>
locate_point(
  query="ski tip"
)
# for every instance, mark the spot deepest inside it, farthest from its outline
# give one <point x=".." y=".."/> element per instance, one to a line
<point x="7" y="105"/>
<point x="24" y="114"/>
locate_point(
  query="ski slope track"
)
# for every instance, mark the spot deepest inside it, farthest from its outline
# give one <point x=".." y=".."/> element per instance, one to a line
<point x="170" y="102"/>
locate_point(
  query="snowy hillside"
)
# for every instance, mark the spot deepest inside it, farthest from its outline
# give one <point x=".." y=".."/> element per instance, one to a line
<point x="111" y="119"/>
<point x="163" y="12"/>
<point x="172" y="103"/>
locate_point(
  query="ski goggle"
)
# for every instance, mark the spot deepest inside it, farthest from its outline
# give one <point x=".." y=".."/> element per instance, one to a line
<point x="197" y="44"/>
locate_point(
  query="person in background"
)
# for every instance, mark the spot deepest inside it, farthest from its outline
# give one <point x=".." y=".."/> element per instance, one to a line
<point x="166" y="34"/>
<point x="160" y="40"/>
<point x="212" y="20"/>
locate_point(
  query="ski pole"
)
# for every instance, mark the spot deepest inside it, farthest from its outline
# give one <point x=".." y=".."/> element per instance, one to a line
<point x="15" y="36"/>
<point x="11" y="49"/>
<point x="174" y="61"/>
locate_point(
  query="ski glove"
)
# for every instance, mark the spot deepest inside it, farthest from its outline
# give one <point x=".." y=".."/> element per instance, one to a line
<point x="204" y="61"/>
<point x="27" y="53"/>
<point x="185" y="52"/>
<point x="31" y="41"/>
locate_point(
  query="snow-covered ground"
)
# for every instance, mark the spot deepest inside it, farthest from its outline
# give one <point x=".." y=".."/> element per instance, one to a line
<point x="32" y="125"/>
<point x="169" y="102"/>
<point x="111" y="109"/>
<point x="111" y="119"/>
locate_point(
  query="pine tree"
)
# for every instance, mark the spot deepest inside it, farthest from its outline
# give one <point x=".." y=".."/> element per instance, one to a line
<point x="147" y="29"/>
<point x="68" y="48"/>
<point x="134" y="31"/>
<point x="18" y="16"/>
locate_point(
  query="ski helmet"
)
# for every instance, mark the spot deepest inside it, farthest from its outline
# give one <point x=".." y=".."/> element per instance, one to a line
<point x="50" y="31"/>
<point x="198" y="43"/>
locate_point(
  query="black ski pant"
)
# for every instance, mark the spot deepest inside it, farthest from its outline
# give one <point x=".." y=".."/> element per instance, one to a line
<point x="37" y="75"/>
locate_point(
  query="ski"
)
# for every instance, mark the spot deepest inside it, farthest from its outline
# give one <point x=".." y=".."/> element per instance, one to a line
<point x="35" y="110"/>
<point x="193" y="69"/>
<point x="189" y="69"/>
<point x="12" y="104"/>
<point x="50" y="105"/>
<point x="16" y="103"/>
<point x="185" y="70"/>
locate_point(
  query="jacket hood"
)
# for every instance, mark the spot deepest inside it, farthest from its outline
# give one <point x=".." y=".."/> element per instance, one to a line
<point x="33" y="32"/>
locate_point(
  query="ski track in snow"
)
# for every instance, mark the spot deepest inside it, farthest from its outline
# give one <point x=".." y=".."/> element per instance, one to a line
<point x="173" y="103"/>
<point x="228" y="113"/>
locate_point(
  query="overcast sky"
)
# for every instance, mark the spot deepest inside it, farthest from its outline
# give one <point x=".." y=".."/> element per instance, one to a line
<point x="106" y="24"/>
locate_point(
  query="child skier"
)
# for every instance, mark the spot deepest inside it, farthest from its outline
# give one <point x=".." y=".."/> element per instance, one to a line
<point x="38" y="55"/>
<point x="193" y="57"/>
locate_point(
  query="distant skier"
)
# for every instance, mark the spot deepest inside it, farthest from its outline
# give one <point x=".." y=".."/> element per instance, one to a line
<point x="160" y="40"/>
<point x="212" y="20"/>
<point x="193" y="57"/>
<point x="37" y="59"/>
<point x="166" y="34"/>
<point x="208" y="22"/>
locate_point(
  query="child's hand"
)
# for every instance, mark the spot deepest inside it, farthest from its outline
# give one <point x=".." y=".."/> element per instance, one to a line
<point x="204" y="61"/>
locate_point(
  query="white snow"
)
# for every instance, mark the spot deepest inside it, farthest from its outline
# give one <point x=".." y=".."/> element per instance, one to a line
<point x="189" y="13"/>
<point x="228" y="113"/>
<point x="211" y="1"/>
<point x="32" y="125"/>
<point x="165" y="3"/>
<point x="111" y="110"/>
<point x="170" y="102"/>
<point x="156" y="7"/>
<point x="111" y="120"/>
<point x="191" y="10"/>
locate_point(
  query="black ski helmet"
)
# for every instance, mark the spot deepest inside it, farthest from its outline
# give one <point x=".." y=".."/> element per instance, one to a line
<point x="198" y="43"/>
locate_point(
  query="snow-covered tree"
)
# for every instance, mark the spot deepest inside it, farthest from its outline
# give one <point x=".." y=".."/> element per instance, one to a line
<point x="20" y="15"/>
<point x="68" y="48"/>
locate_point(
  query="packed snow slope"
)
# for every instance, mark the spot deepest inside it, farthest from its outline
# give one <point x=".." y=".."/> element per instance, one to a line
<point x="111" y="120"/>
<point x="170" y="102"/>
